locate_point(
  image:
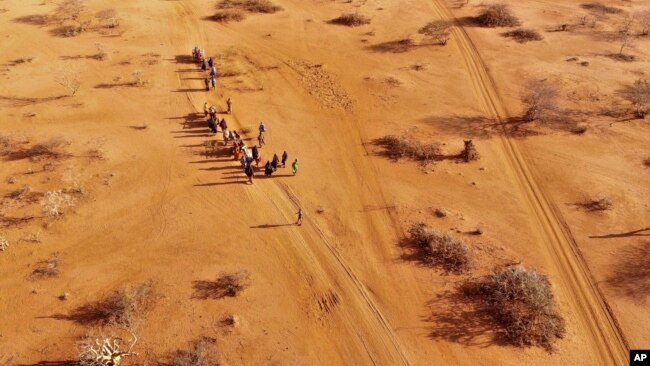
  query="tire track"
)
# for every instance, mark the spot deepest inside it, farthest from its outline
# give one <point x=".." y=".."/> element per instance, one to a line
<point x="595" y="313"/>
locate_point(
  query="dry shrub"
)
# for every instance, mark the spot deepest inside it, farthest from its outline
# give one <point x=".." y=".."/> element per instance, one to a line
<point x="48" y="268"/>
<point x="4" y="243"/>
<point x="202" y="352"/>
<point x="121" y="308"/>
<point x="646" y="162"/>
<point x="600" y="203"/>
<point x="643" y="19"/>
<point x="579" y="130"/>
<point x="440" y="249"/>
<point x="351" y="20"/>
<point x="226" y="16"/>
<point x="53" y="148"/>
<point x="438" y="31"/>
<point x="69" y="78"/>
<point x="55" y="201"/>
<point x="540" y="100"/>
<point x="101" y="53"/>
<point x="252" y="6"/>
<point x="397" y="147"/>
<point x="639" y="95"/>
<point x="469" y="153"/>
<point x="600" y="8"/>
<point x="398" y="46"/>
<point x="138" y="78"/>
<point x="226" y="285"/>
<point x="521" y="300"/>
<point x="497" y="15"/>
<point x="523" y="35"/>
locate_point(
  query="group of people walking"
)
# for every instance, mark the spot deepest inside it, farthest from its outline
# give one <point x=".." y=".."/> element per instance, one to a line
<point x="240" y="150"/>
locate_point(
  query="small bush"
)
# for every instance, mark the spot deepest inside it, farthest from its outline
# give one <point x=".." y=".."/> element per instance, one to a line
<point x="227" y="285"/>
<point x="121" y="308"/>
<point x="521" y="300"/>
<point x="523" y="35"/>
<point x="55" y="201"/>
<point x="497" y="15"/>
<point x="52" y="148"/>
<point x="469" y="152"/>
<point x="600" y="203"/>
<point x="639" y="95"/>
<point x="252" y="6"/>
<point x="400" y="147"/>
<point x="227" y="16"/>
<point x="646" y="162"/>
<point x="600" y="8"/>
<point x="579" y="130"/>
<point x="351" y="20"/>
<point x="202" y="352"/>
<point x="441" y="249"/>
<point x="47" y="268"/>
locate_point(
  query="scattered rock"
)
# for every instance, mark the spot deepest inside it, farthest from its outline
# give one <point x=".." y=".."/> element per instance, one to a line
<point x="64" y="297"/>
<point x="584" y="63"/>
<point x="477" y="231"/>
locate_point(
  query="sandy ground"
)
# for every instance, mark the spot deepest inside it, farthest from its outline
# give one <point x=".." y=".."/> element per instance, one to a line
<point x="150" y="205"/>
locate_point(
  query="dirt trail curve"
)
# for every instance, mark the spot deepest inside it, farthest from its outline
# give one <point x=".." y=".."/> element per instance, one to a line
<point x="593" y="313"/>
<point x="318" y="254"/>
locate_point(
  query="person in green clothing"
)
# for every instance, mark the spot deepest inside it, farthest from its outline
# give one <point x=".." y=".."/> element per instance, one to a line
<point x="294" y="167"/>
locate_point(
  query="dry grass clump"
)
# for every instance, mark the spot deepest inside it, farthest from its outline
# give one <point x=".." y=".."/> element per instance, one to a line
<point x="227" y="16"/>
<point x="351" y="20"/>
<point x="202" y="352"/>
<point x="540" y="100"/>
<point x="121" y="308"/>
<point x="397" y="147"/>
<point x="600" y="8"/>
<point x="523" y="35"/>
<point x="438" y="31"/>
<point x="48" y="268"/>
<point x="50" y="148"/>
<point x="521" y="300"/>
<point x="227" y="285"/>
<point x="441" y="249"/>
<point x="497" y="15"/>
<point x="600" y="203"/>
<point x="251" y="6"/>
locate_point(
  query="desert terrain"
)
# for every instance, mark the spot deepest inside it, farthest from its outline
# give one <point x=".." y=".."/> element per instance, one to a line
<point x="122" y="216"/>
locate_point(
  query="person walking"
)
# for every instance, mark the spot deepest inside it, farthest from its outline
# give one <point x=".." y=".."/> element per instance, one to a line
<point x="207" y="84"/>
<point x="204" y="65"/>
<point x="260" y="137"/>
<point x="285" y="156"/>
<point x="300" y="217"/>
<point x="274" y="162"/>
<point x="249" y="173"/>
<point x="206" y="109"/>
<point x="268" y="171"/>
<point x="294" y="167"/>
<point x="210" y="62"/>
<point x="212" y="124"/>
<point x="229" y="103"/>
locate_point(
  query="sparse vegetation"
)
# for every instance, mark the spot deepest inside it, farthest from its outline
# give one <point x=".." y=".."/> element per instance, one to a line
<point x="646" y="162"/>
<point x="47" y="268"/>
<point x="523" y="35"/>
<point x="639" y="95"/>
<point x="69" y="78"/>
<point x="643" y="19"/>
<point x="397" y="147"/>
<point x="521" y="300"/>
<point x="351" y="20"/>
<point x="138" y="78"/>
<point x="440" y="249"/>
<point x="101" y="53"/>
<point x="121" y="308"/>
<point x="497" y="15"/>
<point x="251" y="6"/>
<point x="437" y="31"/>
<point x="540" y="100"/>
<point x="53" y="148"/>
<point x="440" y="212"/>
<point x="202" y="352"/>
<point x="226" y="285"/>
<point x="227" y="16"/>
<point x="398" y="46"/>
<point x="579" y="129"/>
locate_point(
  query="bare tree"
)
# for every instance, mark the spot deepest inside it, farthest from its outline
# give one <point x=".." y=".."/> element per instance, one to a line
<point x="438" y="31"/>
<point x="69" y="78"/>
<point x="104" y="351"/>
<point x="540" y="99"/>
<point x="639" y="95"/>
